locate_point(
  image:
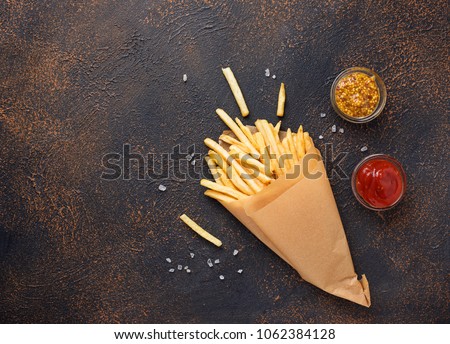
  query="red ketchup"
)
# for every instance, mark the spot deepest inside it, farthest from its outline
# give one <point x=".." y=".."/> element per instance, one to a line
<point x="380" y="182"/>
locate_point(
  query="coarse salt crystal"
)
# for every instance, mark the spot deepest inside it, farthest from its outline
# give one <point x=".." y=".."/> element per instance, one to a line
<point x="240" y="271"/>
<point x="217" y="261"/>
<point x="168" y="260"/>
<point x="322" y="114"/>
<point x="192" y="255"/>
<point x="363" y="149"/>
<point x="171" y="270"/>
<point x="341" y="130"/>
<point x="180" y="267"/>
<point x="274" y="76"/>
<point x="235" y="252"/>
<point x="222" y="277"/>
<point x="193" y="162"/>
<point x="162" y="187"/>
<point x="188" y="271"/>
<point x="320" y="137"/>
<point x="186" y="267"/>
<point x="333" y="128"/>
<point x="210" y="263"/>
<point x="184" y="77"/>
<point x="267" y="72"/>
<point x="189" y="157"/>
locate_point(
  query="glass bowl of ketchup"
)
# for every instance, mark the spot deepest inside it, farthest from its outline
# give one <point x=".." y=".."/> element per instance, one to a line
<point x="379" y="182"/>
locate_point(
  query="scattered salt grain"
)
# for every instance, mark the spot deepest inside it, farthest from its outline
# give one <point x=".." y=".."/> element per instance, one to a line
<point x="222" y="277"/>
<point x="274" y="76"/>
<point x="192" y="255"/>
<point x="171" y="270"/>
<point x="333" y="128"/>
<point x="184" y="77"/>
<point x="341" y="130"/>
<point x="168" y="260"/>
<point x="188" y="271"/>
<point x="240" y="271"/>
<point x="180" y="267"/>
<point x="235" y="252"/>
<point x="189" y="157"/>
<point x="162" y="187"/>
<point x="210" y="263"/>
<point x="217" y="261"/>
<point x="363" y="149"/>
<point x="322" y="114"/>
<point x="320" y="137"/>
<point x="267" y="72"/>
<point x="193" y="162"/>
<point x="186" y="267"/>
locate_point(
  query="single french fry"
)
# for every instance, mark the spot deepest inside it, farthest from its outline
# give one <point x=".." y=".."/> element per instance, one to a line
<point x="228" y="73"/>
<point x="273" y="139"/>
<point x="281" y="100"/>
<point x="300" y="143"/>
<point x="270" y="132"/>
<point x="247" y="132"/>
<point x="221" y="188"/>
<point x="284" y="157"/>
<point x="219" y="196"/>
<point x="237" y="131"/>
<point x="218" y="149"/>
<point x="286" y="154"/>
<point x="200" y="231"/>
<point x="292" y="146"/>
<point x="295" y="139"/>
<point x="275" y="131"/>
<point x="277" y="127"/>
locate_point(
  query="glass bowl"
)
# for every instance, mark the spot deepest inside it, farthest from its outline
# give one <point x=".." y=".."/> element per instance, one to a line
<point x="389" y="159"/>
<point x="382" y="95"/>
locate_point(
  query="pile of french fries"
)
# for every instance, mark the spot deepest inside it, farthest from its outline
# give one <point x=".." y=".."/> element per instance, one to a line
<point x="256" y="157"/>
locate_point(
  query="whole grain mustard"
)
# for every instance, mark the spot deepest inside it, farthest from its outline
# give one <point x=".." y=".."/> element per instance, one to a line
<point x="357" y="94"/>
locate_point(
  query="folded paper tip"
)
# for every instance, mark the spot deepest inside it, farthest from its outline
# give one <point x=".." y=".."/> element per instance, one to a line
<point x="366" y="291"/>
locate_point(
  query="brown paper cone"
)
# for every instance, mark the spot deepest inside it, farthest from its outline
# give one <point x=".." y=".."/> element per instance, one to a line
<point x="298" y="219"/>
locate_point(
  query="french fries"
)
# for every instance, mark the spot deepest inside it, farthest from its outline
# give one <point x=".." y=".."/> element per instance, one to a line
<point x="228" y="73"/>
<point x="254" y="158"/>
<point x="281" y="100"/>
<point x="237" y="131"/>
<point x="200" y="231"/>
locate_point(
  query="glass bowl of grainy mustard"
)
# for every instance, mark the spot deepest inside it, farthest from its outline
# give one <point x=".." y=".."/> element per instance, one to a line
<point x="358" y="95"/>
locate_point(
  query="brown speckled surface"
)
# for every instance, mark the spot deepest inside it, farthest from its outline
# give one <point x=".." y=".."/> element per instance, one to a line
<point x="80" y="79"/>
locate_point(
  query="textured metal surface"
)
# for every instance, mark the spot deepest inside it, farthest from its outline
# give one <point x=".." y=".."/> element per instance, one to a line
<point x="78" y="80"/>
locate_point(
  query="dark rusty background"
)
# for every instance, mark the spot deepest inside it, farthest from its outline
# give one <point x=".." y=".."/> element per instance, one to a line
<point x="79" y="79"/>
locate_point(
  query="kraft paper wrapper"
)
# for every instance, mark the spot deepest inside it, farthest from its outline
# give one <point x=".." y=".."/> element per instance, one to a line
<point x="298" y="219"/>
